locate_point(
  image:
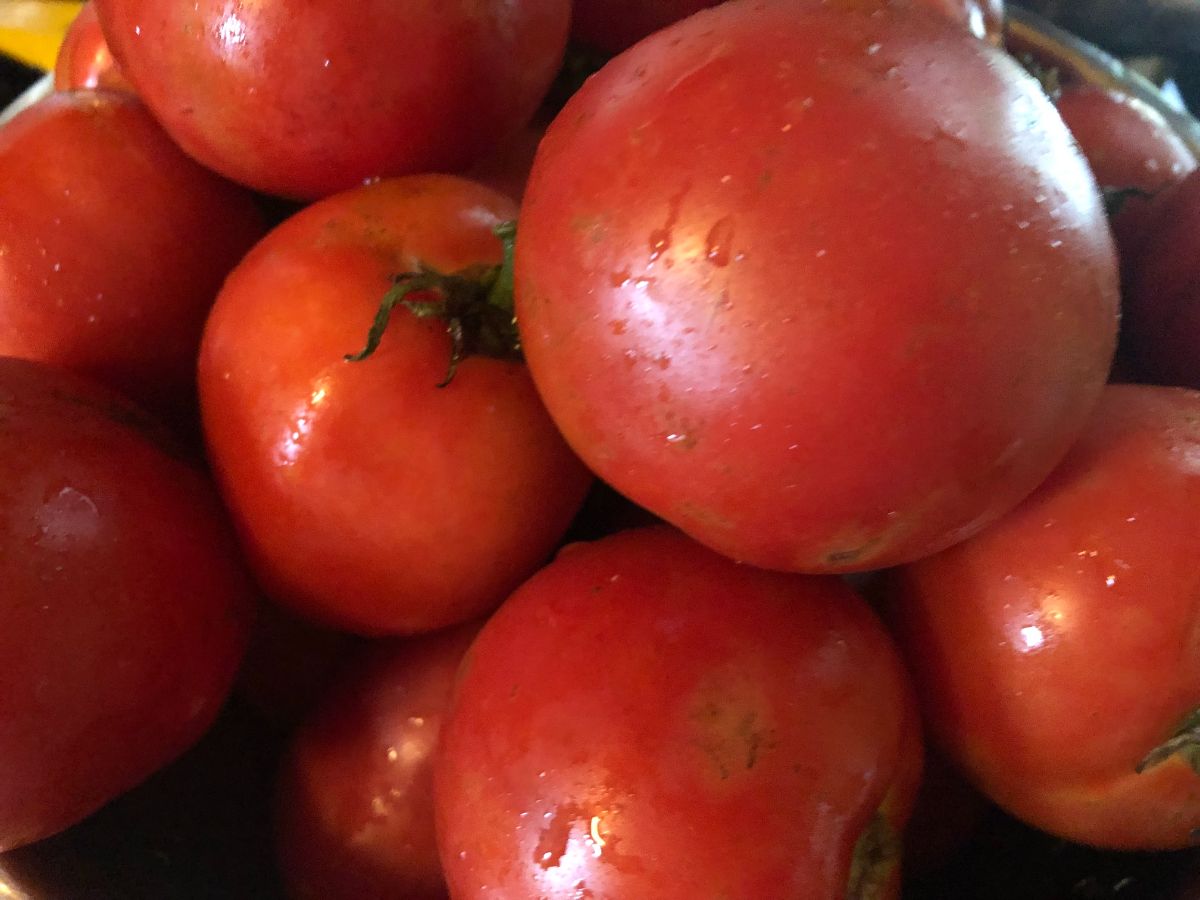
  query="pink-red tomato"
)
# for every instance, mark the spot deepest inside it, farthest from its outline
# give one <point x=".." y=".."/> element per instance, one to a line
<point x="113" y="244"/>
<point x="368" y="497"/>
<point x="1057" y="650"/>
<point x="828" y="289"/>
<point x="645" y="718"/>
<point x="124" y="607"/>
<point x="306" y="98"/>
<point x="84" y="60"/>
<point x="1161" y="305"/>
<point x="354" y="804"/>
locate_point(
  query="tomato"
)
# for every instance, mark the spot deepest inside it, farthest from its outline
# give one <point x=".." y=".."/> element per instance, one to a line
<point x="645" y="718"/>
<point x="369" y="498"/>
<point x="303" y="99"/>
<point x="84" y="60"/>
<point x="827" y="289"/>
<point x="1161" y="323"/>
<point x="110" y="256"/>
<point x="354" y="806"/>
<point x="1055" y="651"/>
<point x="1129" y="145"/>
<point x="124" y="607"/>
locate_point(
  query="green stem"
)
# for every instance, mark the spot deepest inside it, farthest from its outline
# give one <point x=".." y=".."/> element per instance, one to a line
<point x="1184" y="743"/>
<point x="475" y="304"/>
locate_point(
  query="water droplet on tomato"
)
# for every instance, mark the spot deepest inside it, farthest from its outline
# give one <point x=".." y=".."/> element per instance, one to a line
<point x="717" y="245"/>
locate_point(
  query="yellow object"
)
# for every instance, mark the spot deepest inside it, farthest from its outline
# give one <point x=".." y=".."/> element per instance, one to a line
<point x="32" y="30"/>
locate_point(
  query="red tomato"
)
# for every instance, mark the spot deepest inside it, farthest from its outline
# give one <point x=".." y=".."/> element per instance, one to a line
<point x="1057" y="650"/>
<point x="124" y="608"/>
<point x="827" y="289"/>
<point x="305" y="98"/>
<point x="368" y="497"/>
<point x="112" y="252"/>
<point x="1161" y="322"/>
<point x="84" y="60"/>
<point x="645" y="718"/>
<point x="354" y="810"/>
<point x="1128" y="144"/>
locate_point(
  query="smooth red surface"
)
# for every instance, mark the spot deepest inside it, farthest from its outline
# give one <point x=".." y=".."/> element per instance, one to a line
<point x="84" y="60"/>
<point x="305" y="97"/>
<point x="369" y="498"/>
<point x="113" y="244"/>
<point x="354" y="805"/>
<point x="124" y="608"/>
<point x="644" y="718"/>
<point x="826" y="289"/>
<point x="1057" y="648"/>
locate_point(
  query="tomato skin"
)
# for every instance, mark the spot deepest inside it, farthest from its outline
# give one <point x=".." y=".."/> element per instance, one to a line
<point x="828" y="290"/>
<point x="368" y="498"/>
<point x="84" y="60"/>
<point x="354" y="805"/>
<point x="640" y="719"/>
<point x="124" y="606"/>
<point x="111" y="258"/>
<point x="302" y="99"/>
<point x="1057" y="648"/>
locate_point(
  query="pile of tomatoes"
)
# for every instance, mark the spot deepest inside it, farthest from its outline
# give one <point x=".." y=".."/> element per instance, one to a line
<point x="650" y="485"/>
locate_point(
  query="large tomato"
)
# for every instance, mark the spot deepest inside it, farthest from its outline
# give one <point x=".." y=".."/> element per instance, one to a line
<point x="827" y="288"/>
<point x="124" y="607"/>
<point x="113" y="244"/>
<point x="305" y="98"/>
<point x="369" y="497"/>
<point x="1057" y="653"/>
<point x="645" y="718"/>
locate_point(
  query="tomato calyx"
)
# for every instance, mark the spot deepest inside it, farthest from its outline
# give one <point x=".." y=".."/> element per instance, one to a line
<point x="1184" y="743"/>
<point x="475" y="303"/>
<point x="1116" y="197"/>
<point x="873" y="865"/>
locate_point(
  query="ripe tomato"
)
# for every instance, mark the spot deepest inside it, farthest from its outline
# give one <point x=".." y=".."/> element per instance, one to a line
<point x="124" y="608"/>
<point x="354" y="806"/>
<point x="109" y="253"/>
<point x="368" y="497"/>
<point x="1161" y="322"/>
<point x="1056" y="650"/>
<point x="828" y="289"/>
<point x="305" y="98"/>
<point x="645" y="718"/>
<point x="84" y="60"/>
